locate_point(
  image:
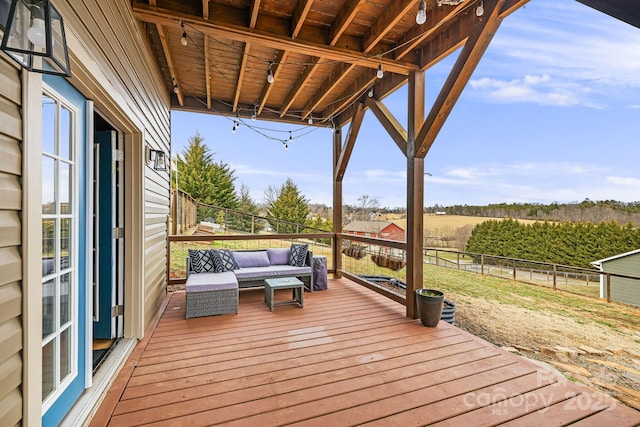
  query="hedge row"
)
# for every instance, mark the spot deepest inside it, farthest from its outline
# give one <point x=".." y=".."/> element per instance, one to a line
<point x="574" y="244"/>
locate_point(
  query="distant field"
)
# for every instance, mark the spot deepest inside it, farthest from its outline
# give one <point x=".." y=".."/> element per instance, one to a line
<point x="432" y="221"/>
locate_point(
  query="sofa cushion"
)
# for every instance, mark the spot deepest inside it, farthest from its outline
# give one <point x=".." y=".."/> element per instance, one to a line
<point x="278" y="256"/>
<point x="202" y="260"/>
<point x="205" y="282"/>
<point x="224" y="261"/>
<point x="251" y="258"/>
<point x="271" y="271"/>
<point x="298" y="254"/>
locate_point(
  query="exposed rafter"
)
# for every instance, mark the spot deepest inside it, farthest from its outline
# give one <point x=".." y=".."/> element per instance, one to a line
<point x="344" y="18"/>
<point x="276" y="68"/>
<point x="309" y="71"/>
<point x="299" y="16"/>
<point x="216" y="27"/>
<point x="207" y="58"/>
<point x="162" y="32"/>
<point x="243" y="67"/>
<point x="254" y="9"/>
<point x="338" y="75"/>
<point x="390" y="17"/>
<point x="365" y="80"/>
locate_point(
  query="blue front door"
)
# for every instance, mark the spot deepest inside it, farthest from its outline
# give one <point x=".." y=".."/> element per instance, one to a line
<point x="64" y="248"/>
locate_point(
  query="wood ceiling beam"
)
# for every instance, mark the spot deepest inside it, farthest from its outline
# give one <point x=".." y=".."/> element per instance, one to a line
<point x="299" y="16"/>
<point x="337" y="76"/>
<point x="243" y="67"/>
<point x="441" y="16"/>
<point x="309" y="71"/>
<point x="364" y="81"/>
<point x="254" y="9"/>
<point x="389" y="18"/>
<point x="343" y="19"/>
<point x="162" y="32"/>
<point x="460" y="74"/>
<point x="259" y="37"/>
<point x="389" y="123"/>
<point x="207" y="58"/>
<point x="207" y="70"/>
<point x="381" y="88"/>
<point x="347" y="149"/>
<point x="275" y="69"/>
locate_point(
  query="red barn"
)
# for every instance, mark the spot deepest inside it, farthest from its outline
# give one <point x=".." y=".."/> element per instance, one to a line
<point x="380" y="229"/>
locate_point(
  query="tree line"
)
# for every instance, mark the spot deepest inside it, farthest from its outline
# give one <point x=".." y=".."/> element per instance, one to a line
<point x="575" y="244"/>
<point x="212" y="183"/>
<point x="585" y="211"/>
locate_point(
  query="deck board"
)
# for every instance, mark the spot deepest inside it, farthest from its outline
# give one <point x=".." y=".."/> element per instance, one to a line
<point x="349" y="357"/>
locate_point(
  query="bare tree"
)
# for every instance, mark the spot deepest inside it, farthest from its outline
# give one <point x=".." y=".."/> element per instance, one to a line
<point x="367" y="205"/>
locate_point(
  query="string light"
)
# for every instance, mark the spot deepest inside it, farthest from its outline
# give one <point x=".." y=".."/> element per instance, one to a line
<point x="270" y="73"/>
<point x="254" y="116"/>
<point x="286" y="146"/>
<point x="380" y="72"/>
<point x="421" y="17"/>
<point x="480" y="9"/>
<point x="183" y="40"/>
<point x="371" y="93"/>
<point x="290" y="137"/>
<point x="310" y="121"/>
<point x="236" y="123"/>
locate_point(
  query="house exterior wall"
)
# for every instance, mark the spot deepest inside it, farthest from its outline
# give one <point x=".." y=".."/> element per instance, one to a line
<point x="112" y="65"/>
<point x="11" y="336"/>
<point x="624" y="290"/>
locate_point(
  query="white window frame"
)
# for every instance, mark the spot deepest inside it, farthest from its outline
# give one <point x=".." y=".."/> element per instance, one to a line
<point x="74" y="163"/>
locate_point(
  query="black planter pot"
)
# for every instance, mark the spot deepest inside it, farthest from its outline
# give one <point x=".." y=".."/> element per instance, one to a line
<point x="429" y="304"/>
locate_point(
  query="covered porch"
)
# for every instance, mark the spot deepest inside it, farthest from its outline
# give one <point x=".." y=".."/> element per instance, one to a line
<point x="350" y="357"/>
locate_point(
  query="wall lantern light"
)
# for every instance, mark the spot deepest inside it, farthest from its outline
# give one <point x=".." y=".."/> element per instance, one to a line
<point x="157" y="158"/>
<point x="34" y="37"/>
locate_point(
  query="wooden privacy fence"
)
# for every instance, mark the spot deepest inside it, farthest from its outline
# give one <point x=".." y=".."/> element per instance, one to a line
<point x="183" y="212"/>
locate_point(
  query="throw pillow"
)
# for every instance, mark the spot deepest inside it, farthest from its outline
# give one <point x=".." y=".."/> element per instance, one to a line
<point x="201" y="261"/>
<point x="298" y="254"/>
<point x="224" y="261"/>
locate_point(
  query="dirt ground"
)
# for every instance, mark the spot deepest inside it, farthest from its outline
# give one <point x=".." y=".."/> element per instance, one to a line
<point x="529" y="331"/>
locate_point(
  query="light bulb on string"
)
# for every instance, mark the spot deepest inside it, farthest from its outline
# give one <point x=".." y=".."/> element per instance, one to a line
<point x="370" y="92"/>
<point x="270" y="73"/>
<point x="176" y="89"/>
<point x="254" y="116"/>
<point x="480" y="9"/>
<point x="380" y="72"/>
<point x="183" y="40"/>
<point x="286" y="146"/>
<point x="290" y="137"/>
<point x="310" y="121"/>
<point x="421" y="17"/>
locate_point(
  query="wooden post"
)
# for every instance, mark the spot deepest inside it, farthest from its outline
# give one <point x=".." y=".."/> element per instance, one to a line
<point x="608" y="287"/>
<point x="555" y="275"/>
<point x="415" y="192"/>
<point x="514" y="270"/>
<point x="482" y="264"/>
<point x="337" y="202"/>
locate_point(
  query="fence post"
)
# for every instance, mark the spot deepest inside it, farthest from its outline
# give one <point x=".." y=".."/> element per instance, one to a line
<point x="458" y="260"/>
<point x="514" y="270"/>
<point x="253" y="224"/>
<point x="555" y="270"/>
<point x="482" y="264"/>
<point x="437" y="262"/>
<point x="608" y="287"/>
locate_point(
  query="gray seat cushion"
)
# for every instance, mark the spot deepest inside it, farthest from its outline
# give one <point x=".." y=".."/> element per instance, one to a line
<point x="204" y="282"/>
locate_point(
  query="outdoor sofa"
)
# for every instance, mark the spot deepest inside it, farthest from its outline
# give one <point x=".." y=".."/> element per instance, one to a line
<point x="215" y="276"/>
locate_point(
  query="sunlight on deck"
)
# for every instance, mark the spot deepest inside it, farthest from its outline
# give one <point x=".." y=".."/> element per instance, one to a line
<point x="349" y="357"/>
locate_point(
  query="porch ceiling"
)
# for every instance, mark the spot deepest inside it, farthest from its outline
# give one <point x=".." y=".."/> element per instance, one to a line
<point x="325" y="54"/>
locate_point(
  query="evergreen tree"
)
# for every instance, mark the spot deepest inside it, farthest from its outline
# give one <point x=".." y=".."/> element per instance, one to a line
<point x="246" y="221"/>
<point x="206" y="181"/>
<point x="286" y="204"/>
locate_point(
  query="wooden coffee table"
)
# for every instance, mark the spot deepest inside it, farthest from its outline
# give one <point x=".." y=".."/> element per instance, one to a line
<point x="293" y="283"/>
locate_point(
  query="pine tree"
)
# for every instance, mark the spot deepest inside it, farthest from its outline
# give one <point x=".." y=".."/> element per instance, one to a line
<point x="287" y="204"/>
<point x="207" y="182"/>
<point x="246" y="221"/>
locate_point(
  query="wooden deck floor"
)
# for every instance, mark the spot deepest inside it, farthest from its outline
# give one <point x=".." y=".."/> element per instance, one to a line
<point x="350" y="357"/>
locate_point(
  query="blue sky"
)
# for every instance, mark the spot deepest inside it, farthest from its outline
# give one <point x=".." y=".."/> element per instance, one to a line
<point x="551" y="114"/>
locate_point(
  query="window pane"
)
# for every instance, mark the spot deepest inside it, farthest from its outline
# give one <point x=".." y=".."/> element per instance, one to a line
<point x="48" y="246"/>
<point x="48" y="360"/>
<point x="65" y="354"/>
<point x="65" y="243"/>
<point x="48" y="306"/>
<point x="65" y="188"/>
<point x="65" y="133"/>
<point x="48" y="185"/>
<point x="48" y="124"/>
<point x="65" y="298"/>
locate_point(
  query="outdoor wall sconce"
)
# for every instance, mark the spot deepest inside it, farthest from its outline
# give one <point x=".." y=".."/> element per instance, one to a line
<point x="157" y="158"/>
<point x="34" y="36"/>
